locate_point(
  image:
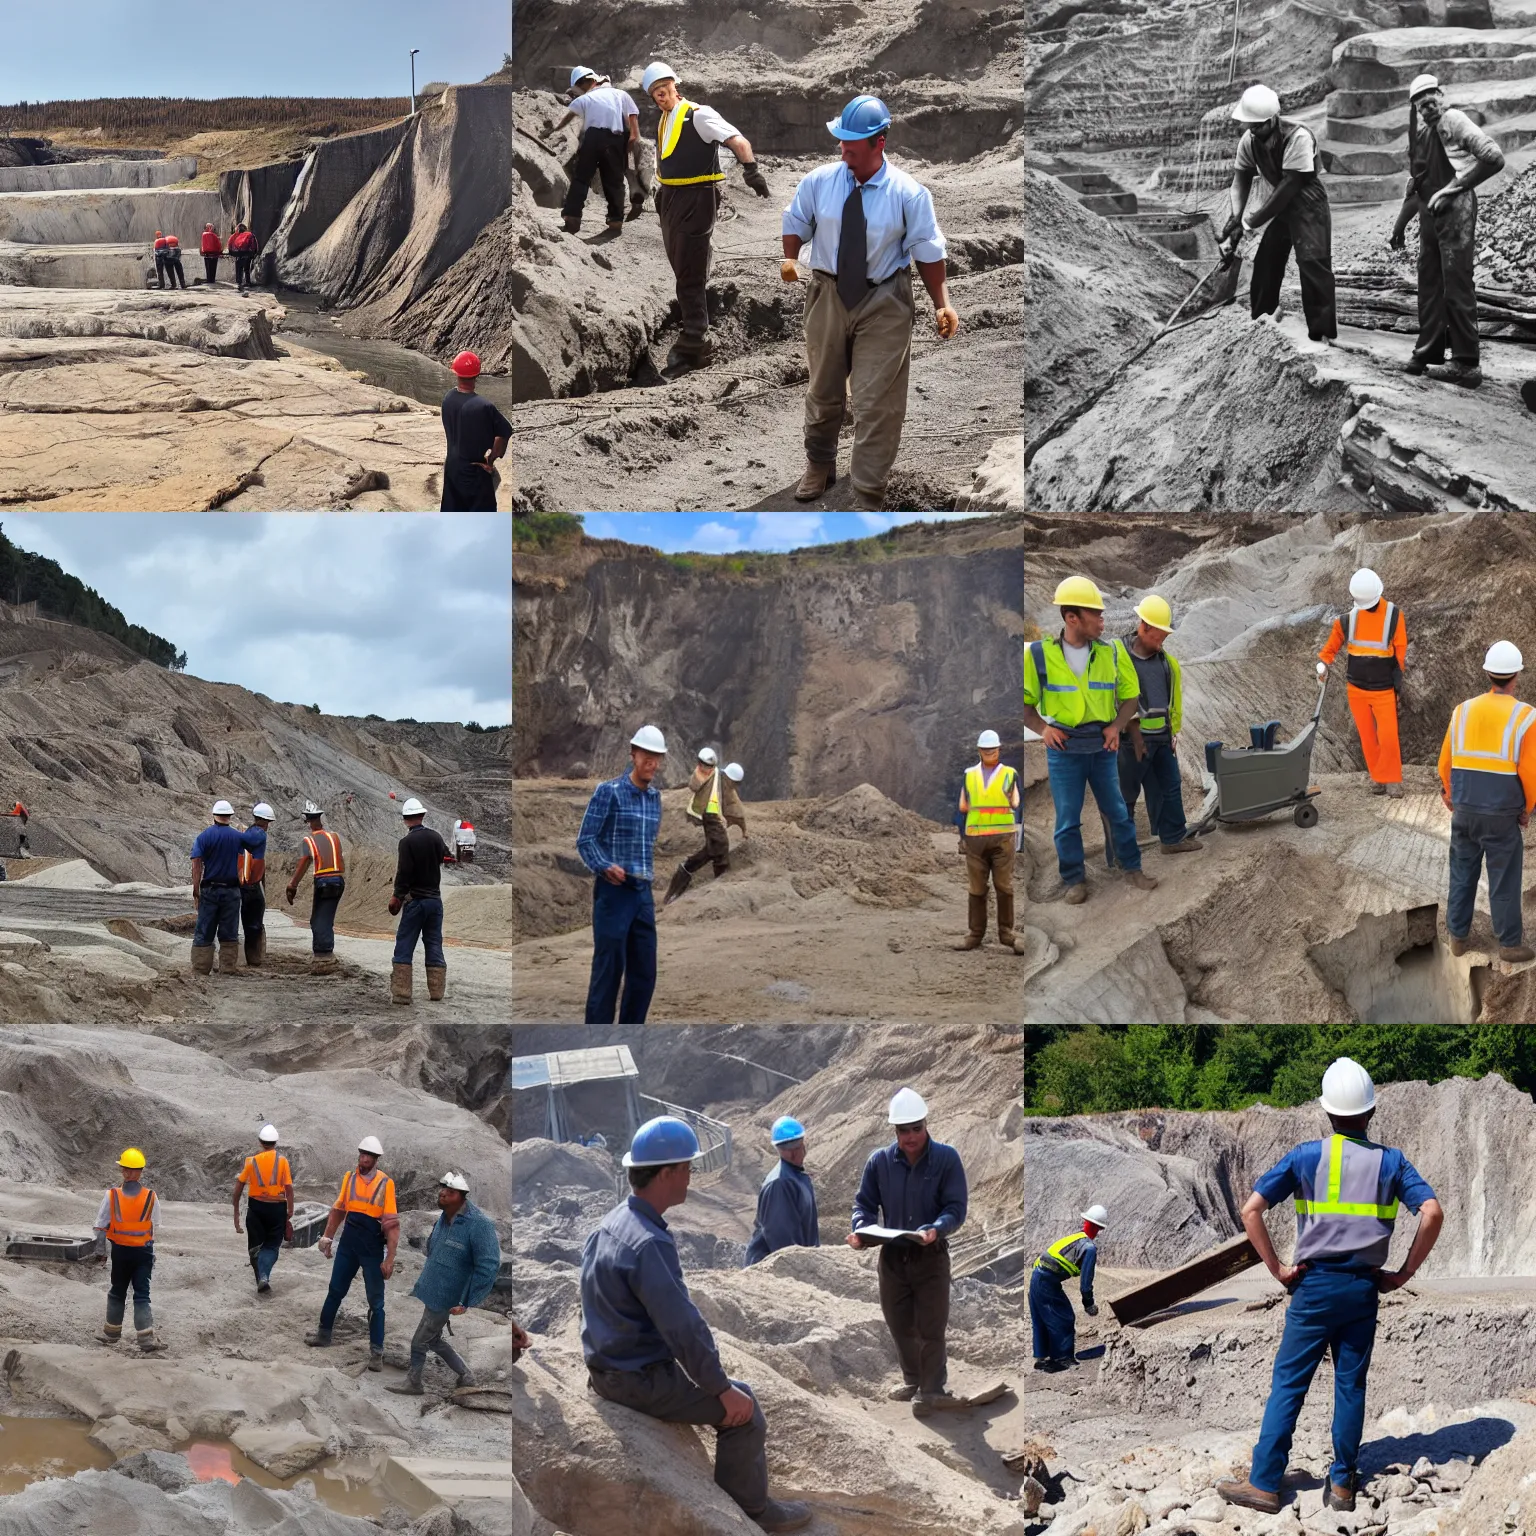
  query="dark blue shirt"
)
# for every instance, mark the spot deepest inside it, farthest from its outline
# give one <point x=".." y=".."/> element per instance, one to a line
<point x="910" y="1196"/>
<point x="463" y="1258"/>
<point x="219" y="849"/>
<point x="786" y="1213"/>
<point x="620" y="827"/>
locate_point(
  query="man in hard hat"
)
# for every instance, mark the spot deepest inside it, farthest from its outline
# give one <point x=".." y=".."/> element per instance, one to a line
<point x="915" y="1185"/>
<point x="989" y="802"/>
<point x="646" y="1346"/>
<point x="705" y="806"/>
<point x="731" y="807"/>
<point x="609" y="121"/>
<point x="252" y="875"/>
<point x="689" y="194"/>
<point x="267" y="1181"/>
<point x="477" y="435"/>
<point x="125" y="1229"/>
<point x="463" y="1257"/>
<point x="1080" y="692"/>
<point x="1294" y="207"/>
<point x="418" y="902"/>
<point x="867" y="223"/>
<point x="216" y="888"/>
<point x="1050" y="1313"/>
<point x="617" y="843"/>
<point x="1488" y="783"/>
<point x="1448" y="155"/>
<point x="1149" y="747"/>
<point x="1347" y="1191"/>
<point x="322" y="850"/>
<point x="786" y="1204"/>
<point x="366" y="1204"/>
<point x="1374" y="635"/>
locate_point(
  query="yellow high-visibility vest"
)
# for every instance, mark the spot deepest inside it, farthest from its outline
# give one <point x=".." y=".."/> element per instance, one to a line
<point x="685" y="159"/>
<point x="987" y="806"/>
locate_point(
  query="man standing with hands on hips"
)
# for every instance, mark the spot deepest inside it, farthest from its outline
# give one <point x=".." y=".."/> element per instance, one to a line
<point x="477" y="435"/>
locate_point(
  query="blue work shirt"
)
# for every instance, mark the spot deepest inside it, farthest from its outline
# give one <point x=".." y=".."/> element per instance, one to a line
<point x="463" y="1257"/>
<point x="899" y="221"/>
<point x="786" y="1213"/>
<point x="910" y="1196"/>
<point x="219" y="849"/>
<point x="635" y="1309"/>
<point x="620" y="827"/>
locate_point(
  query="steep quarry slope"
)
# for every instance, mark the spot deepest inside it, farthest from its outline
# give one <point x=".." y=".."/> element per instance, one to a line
<point x="470" y="305"/>
<point x="106" y="172"/>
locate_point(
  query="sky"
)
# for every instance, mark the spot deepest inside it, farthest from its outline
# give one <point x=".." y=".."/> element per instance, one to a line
<point x="294" y="47"/>
<point x="399" y="615"/>
<point x="724" y="533"/>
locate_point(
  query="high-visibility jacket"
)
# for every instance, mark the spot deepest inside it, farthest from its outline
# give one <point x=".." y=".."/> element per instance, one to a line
<point x="325" y="850"/>
<point x="212" y="245"/>
<point x="1340" y="1210"/>
<point x="706" y="798"/>
<point x="266" y="1175"/>
<point x="1488" y="757"/>
<point x="1064" y="1258"/>
<point x="1376" y="642"/>
<point x="368" y="1200"/>
<point x="1081" y="706"/>
<point x="1171" y="719"/>
<point x="128" y="1220"/>
<point x="173" y="245"/>
<point x="242" y="243"/>
<point x="683" y="157"/>
<point x="252" y="871"/>
<point x="988" y="808"/>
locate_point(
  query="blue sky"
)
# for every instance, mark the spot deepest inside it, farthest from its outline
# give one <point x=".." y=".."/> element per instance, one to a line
<point x="87" y="48"/>
<point x="722" y="533"/>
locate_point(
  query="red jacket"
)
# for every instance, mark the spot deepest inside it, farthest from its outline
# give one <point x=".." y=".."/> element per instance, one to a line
<point x="243" y="244"/>
<point x="212" y="245"/>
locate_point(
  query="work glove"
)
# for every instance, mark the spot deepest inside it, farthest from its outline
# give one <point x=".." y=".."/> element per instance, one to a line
<point x="754" y="178"/>
<point x="394" y="906"/>
<point x="1232" y="228"/>
<point x="946" y="321"/>
<point x="789" y="271"/>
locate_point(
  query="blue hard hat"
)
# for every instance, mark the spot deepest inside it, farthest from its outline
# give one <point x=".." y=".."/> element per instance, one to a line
<point x="862" y="118"/>
<point x="580" y="73"/>
<point x="786" y="1128"/>
<point x="666" y="1139"/>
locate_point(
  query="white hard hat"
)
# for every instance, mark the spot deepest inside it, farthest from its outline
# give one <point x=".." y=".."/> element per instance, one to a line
<point x="1365" y="588"/>
<point x="1347" y="1088"/>
<point x="649" y="739"/>
<point x="733" y="771"/>
<point x="655" y="72"/>
<point x="413" y="807"/>
<point x="707" y="756"/>
<point x="267" y="1133"/>
<point x="371" y="1144"/>
<point x="451" y="1180"/>
<point x="223" y="808"/>
<point x="263" y="810"/>
<point x="1503" y="659"/>
<point x="988" y="739"/>
<point x="1258" y="105"/>
<point x="1097" y="1215"/>
<point x="1422" y="83"/>
<point x="907" y="1108"/>
<point x="580" y="73"/>
<point x="311" y="809"/>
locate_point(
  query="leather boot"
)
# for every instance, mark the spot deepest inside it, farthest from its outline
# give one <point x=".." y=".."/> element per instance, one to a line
<point x="324" y="965"/>
<point x="1005" y="934"/>
<point x="229" y="958"/>
<point x="400" y="984"/>
<point x="202" y="959"/>
<point x="437" y="982"/>
<point x="815" y="480"/>
<point x="682" y="878"/>
<point x="1240" y="1491"/>
<point x="255" y="948"/>
<point x="148" y="1343"/>
<point x="410" y="1387"/>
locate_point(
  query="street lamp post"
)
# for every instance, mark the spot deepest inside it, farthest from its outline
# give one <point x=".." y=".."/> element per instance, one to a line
<point x="414" y="52"/>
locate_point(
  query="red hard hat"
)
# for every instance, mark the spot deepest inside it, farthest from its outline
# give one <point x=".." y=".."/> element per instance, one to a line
<point x="467" y="365"/>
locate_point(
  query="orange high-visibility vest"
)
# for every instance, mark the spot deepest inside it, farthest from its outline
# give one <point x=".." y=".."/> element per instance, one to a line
<point x="330" y="862"/>
<point x="372" y="1196"/>
<point x="271" y="1185"/>
<point x="252" y="870"/>
<point x="128" y="1223"/>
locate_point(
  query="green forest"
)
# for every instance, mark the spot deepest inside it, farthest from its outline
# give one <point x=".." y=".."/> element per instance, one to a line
<point x="1089" y="1069"/>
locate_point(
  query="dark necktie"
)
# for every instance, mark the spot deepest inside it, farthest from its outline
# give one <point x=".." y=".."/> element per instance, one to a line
<point x="852" y="254"/>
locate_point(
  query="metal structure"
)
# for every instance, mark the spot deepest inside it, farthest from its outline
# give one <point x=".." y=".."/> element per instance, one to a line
<point x="414" y="52"/>
<point x="566" y="1095"/>
<point x="1232" y="1258"/>
<point x="714" y="1135"/>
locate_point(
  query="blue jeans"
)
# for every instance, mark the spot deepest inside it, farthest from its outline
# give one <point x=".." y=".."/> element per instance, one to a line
<point x="1072" y="774"/>
<point x="353" y="1253"/>
<point x="1494" y="835"/>
<point x="1158" y="774"/>
<point x="131" y="1266"/>
<point x="1331" y="1309"/>
<point x="1051" y="1318"/>
<point x="420" y="918"/>
<point x="322" y="917"/>
<point x="218" y="907"/>
<point x="266" y="1223"/>
<point x="623" y="950"/>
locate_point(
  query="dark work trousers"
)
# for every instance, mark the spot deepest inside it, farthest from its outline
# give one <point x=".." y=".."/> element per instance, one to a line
<point x="1495" y="836"/>
<point x="1306" y="227"/>
<point x="1158" y="774"/>
<point x="716" y="846"/>
<point x="1447" y="296"/>
<point x="420" y="918"/>
<point x="322" y="916"/>
<point x="1051" y="1319"/>
<point x="467" y="487"/>
<point x="355" y="1251"/>
<point x="175" y="271"/>
<point x="266" y="1223"/>
<point x="253" y="918"/>
<point x="623" y="950"/>
<point x="243" y="271"/>
<point x="687" y="217"/>
<point x="130" y="1267"/>
<point x="428" y="1338"/>
<point x="914" y="1296"/>
<point x="211" y="268"/>
<point x="160" y="268"/>
<point x="663" y="1391"/>
<point x="218" y="910"/>
<point x="989" y="858"/>
<point x="602" y="150"/>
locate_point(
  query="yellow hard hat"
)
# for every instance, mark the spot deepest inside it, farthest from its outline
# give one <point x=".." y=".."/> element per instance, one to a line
<point x="1078" y="592"/>
<point x="131" y="1158"/>
<point x="1154" y="610"/>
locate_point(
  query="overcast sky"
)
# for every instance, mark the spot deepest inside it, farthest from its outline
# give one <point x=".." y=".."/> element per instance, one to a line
<point x="88" y="48"/>
<point x="398" y="615"/>
<point x="720" y="533"/>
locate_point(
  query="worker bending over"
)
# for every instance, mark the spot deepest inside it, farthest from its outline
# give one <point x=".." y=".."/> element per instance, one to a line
<point x="1050" y="1313"/>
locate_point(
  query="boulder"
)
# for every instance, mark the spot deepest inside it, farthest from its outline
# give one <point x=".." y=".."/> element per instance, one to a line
<point x="120" y="1437"/>
<point x="284" y="1450"/>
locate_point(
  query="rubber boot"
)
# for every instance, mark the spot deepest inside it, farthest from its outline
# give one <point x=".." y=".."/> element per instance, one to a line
<point x="1005" y="933"/>
<point x="148" y="1343"/>
<point x="375" y="1359"/>
<point x="410" y="1387"/>
<point x="682" y="878"/>
<point x="400" y="984"/>
<point x="255" y="948"/>
<point x="323" y="965"/>
<point x="229" y="959"/>
<point x="437" y="982"/>
<point x="202" y="959"/>
<point x="319" y="1339"/>
<point x="976" y="921"/>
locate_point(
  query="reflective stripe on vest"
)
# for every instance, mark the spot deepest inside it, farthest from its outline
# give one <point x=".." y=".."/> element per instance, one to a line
<point x="1338" y="1213"/>
<point x="331" y="864"/>
<point x="128" y="1226"/>
<point x="987" y="805"/>
<point x="1055" y="1257"/>
<point x="1358" y="645"/>
<point x="713" y="806"/>
<point x="371" y="1200"/>
<point x="269" y="1186"/>
<point x="1486" y="758"/>
<point x="1063" y="694"/>
<point x="1371" y="662"/>
<point x="1151" y="722"/>
<point x="687" y="156"/>
<point x="252" y="870"/>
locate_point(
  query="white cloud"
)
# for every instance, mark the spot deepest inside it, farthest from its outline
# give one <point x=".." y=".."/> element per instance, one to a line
<point x="786" y="530"/>
<point x="715" y="539"/>
<point x="876" y="522"/>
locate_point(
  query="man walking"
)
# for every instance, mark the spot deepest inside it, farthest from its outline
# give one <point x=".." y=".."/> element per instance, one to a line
<point x="616" y="842"/>
<point x="786" y="1204"/>
<point x="252" y="875"/>
<point x="989" y="801"/>
<point x="477" y="435"/>
<point x="1149" y="757"/>
<point x="706" y="808"/>
<point x="1050" y="1313"/>
<point x="1488" y="784"/>
<point x="366" y="1204"/>
<point x="322" y="849"/>
<point x="867" y="222"/>
<point x="610" y="120"/>
<point x="1374" y="634"/>
<point x="914" y="1185"/>
<point x="216" y="888"/>
<point x="267" y="1181"/>
<point x="418" y="901"/>
<point x="126" y="1223"/>
<point x="1347" y="1190"/>
<point x="646" y="1346"/>
<point x="213" y="248"/>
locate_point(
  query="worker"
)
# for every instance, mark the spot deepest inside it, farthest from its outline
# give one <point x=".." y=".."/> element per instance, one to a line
<point x="1149" y="747"/>
<point x="251" y="872"/>
<point x="216" y="888"/>
<point x="690" y="193"/>
<point x="867" y="222"/>
<point x="267" y="1181"/>
<point x="173" y="267"/>
<point x="1347" y="1190"/>
<point x="243" y="247"/>
<point x="917" y="1185"/>
<point x="989" y="801"/>
<point x="1295" y="207"/>
<point x="1080" y="692"/>
<point x="1448" y="155"/>
<point x="617" y="842"/>
<point x="477" y="435"/>
<point x="464" y="842"/>
<point x="1488" y="784"/>
<point x="418" y="902"/>
<point x="18" y="810"/>
<point x="1050" y="1313"/>
<point x="463" y="1259"/>
<point x="646" y="1346"/>
<point x="213" y="248"/>
<point x="125" y="1230"/>
<point x="704" y="807"/>
<point x="1374" y="635"/>
<point x="322" y="849"/>
<point x="731" y="809"/>
<point x="162" y="245"/>
<point x="786" y="1204"/>
<point x="610" y="122"/>
<point x="370" y="1232"/>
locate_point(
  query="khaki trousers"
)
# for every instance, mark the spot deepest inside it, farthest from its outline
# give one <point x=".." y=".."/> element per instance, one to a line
<point x="989" y="857"/>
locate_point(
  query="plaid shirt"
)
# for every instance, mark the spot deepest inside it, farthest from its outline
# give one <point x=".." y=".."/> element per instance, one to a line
<point x="620" y="827"/>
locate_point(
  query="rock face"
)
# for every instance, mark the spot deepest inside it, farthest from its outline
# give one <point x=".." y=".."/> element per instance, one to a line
<point x="334" y="173"/>
<point x="106" y="217"/>
<point x="470" y="305"/>
<point x="258" y="196"/>
<point x="106" y="172"/>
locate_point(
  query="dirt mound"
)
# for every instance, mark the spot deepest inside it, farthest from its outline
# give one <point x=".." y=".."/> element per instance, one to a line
<point x="538" y="1164"/>
<point x="478" y="914"/>
<point x="1506" y="236"/>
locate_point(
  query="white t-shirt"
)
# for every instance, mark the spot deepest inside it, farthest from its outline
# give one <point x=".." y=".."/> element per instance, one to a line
<point x="605" y="106"/>
<point x="708" y="123"/>
<point x="1300" y="154"/>
<point x="1077" y="657"/>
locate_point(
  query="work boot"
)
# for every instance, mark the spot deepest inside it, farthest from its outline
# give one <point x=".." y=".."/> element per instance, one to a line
<point x="437" y="982"/>
<point x="1394" y="791"/>
<point x="1528" y="394"/>
<point x="615" y="226"/>
<point x="148" y="1343"/>
<point x="202" y="959"/>
<point x="1189" y="845"/>
<point x="902" y="1394"/>
<point x="466" y="1378"/>
<point x="636" y="207"/>
<point x="815" y="480"/>
<point x="1142" y="880"/>
<point x="400" y="984"/>
<point x="1241" y="1491"/>
<point x="263" y="1287"/>
<point x="1077" y="894"/>
<point x="682" y="878"/>
<point x="571" y="226"/>
<point x="1468" y="376"/>
<point x="324" y="965"/>
<point x="1459" y="946"/>
<point x="976" y="923"/>
<point x="375" y="1359"/>
<point x="784" y="1515"/>
<point x="410" y="1387"/>
<point x="252" y="951"/>
<point x="1415" y="364"/>
<point x="319" y="1339"/>
<point x="924" y="1403"/>
<point x="229" y="959"/>
<point x="1378" y="789"/>
<point x="1005" y="935"/>
<point x="1518" y="954"/>
<point x="1339" y="1495"/>
<point x="111" y="1333"/>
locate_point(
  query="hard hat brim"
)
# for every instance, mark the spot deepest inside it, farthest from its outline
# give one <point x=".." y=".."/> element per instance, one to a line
<point x="629" y="1161"/>
<point x="1346" y="1114"/>
<point x="837" y="131"/>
